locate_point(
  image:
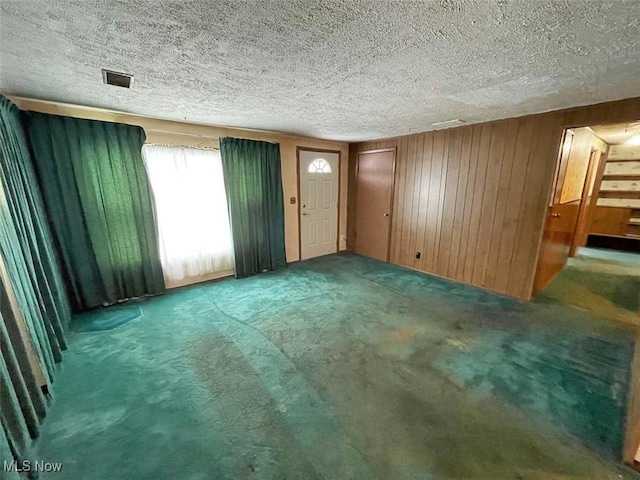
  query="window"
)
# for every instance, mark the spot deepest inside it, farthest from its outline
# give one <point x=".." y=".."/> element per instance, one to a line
<point x="191" y="208"/>
<point x="319" y="165"/>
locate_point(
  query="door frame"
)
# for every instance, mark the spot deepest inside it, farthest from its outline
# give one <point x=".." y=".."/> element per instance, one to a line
<point x="632" y="433"/>
<point x="632" y="426"/>
<point x="597" y="162"/>
<point x="393" y="190"/>
<point x="555" y="186"/>
<point x="322" y="150"/>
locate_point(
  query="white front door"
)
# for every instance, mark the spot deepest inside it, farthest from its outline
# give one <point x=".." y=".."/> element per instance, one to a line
<point x="318" y="203"/>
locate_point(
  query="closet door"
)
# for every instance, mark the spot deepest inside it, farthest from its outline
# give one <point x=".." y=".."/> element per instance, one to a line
<point x="374" y="197"/>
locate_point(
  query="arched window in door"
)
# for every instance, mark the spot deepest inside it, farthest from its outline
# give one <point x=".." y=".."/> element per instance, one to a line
<point x="319" y="165"/>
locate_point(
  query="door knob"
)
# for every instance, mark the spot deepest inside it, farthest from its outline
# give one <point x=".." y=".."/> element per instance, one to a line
<point x="305" y="213"/>
<point x="385" y="214"/>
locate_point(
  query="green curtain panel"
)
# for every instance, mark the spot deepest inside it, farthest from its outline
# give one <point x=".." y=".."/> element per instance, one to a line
<point x="23" y="402"/>
<point x="98" y="199"/>
<point x="35" y="314"/>
<point x="253" y="181"/>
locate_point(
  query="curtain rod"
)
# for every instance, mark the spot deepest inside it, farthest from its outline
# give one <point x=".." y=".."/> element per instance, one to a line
<point x="196" y="147"/>
<point x="173" y="132"/>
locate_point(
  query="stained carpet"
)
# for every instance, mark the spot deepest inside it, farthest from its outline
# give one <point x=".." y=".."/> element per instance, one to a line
<point x="342" y="367"/>
<point x="603" y="282"/>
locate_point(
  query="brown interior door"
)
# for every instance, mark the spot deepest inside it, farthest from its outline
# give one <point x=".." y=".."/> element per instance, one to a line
<point x="374" y="197"/>
<point x="556" y="242"/>
<point x="560" y="224"/>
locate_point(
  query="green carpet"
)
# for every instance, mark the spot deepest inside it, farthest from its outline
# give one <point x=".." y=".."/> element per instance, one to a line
<point x="108" y="319"/>
<point x="603" y="282"/>
<point x="340" y="368"/>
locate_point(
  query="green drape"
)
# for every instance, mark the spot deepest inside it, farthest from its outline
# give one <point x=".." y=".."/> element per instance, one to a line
<point x="35" y="312"/>
<point x="25" y="240"/>
<point x="99" y="203"/>
<point x="253" y="181"/>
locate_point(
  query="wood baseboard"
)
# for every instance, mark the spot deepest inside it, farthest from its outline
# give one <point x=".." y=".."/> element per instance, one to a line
<point x="197" y="279"/>
<point x="631" y="454"/>
<point x="625" y="244"/>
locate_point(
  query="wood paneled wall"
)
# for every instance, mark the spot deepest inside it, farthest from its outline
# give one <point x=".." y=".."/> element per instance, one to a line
<point x="584" y="141"/>
<point x="591" y="152"/>
<point x="610" y="221"/>
<point x="473" y="199"/>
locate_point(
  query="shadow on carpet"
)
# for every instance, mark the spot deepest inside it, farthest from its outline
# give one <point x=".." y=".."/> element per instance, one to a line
<point x="109" y="318"/>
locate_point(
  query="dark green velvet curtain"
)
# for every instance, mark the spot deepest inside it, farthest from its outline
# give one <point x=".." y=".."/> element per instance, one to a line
<point x="33" y="303"/>
<point x="99" y="203"/>
<point x="253" y="181"/>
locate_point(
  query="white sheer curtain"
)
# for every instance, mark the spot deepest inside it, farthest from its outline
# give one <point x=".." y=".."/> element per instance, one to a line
<point x="191" y="208"/>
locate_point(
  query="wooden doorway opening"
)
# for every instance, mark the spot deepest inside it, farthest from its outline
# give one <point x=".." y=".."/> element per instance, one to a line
<point x="595" y="199"/>
<point x="581" y="160"/>
<point x="596" y="194"/>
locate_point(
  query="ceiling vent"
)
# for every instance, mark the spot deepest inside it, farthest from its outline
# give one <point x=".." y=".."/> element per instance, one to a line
<point x="116" y="78"/>
<point x="449" y="123"/>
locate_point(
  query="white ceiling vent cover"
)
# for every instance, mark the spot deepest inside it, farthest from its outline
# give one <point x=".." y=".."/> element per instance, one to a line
<point x="118" y="79"/>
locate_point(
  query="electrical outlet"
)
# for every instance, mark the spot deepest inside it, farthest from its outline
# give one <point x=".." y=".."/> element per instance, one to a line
<point x="418" y="254"/>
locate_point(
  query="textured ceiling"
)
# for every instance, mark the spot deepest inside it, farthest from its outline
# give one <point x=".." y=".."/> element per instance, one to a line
<point x="347" y="70"/>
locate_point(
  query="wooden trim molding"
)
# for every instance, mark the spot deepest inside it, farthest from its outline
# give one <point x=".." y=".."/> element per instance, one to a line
<point x="186" y="281"/>
<point x="632" y="437"/>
